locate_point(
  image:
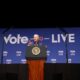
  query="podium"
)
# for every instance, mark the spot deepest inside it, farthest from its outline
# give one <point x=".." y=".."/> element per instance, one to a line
<point x="36" y="56"/>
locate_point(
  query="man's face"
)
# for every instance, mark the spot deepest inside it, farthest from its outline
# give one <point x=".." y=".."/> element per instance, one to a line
<point x="36" y="38"/>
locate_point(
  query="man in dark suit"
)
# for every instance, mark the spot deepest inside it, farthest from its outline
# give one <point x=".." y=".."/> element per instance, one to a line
<point x="37" y="40"/>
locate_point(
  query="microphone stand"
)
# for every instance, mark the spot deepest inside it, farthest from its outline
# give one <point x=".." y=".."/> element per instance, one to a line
<point x="2" y="66"/>
<point x="66" y="46"/>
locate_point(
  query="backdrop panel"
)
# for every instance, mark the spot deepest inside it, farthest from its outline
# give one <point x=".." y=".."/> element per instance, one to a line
<point x="62" y="44"/>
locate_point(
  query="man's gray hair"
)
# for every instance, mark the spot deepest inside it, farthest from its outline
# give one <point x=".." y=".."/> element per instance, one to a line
<point x="36" y="34"/>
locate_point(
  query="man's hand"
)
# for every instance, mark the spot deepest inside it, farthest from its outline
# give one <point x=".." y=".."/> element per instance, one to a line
<point x="29" y="43"/>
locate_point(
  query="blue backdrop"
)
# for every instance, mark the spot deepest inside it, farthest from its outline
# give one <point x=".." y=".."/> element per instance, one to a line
<point x="59" y="42"/>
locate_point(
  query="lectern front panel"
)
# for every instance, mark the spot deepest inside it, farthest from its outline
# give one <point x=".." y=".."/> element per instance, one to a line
<point x="36" y="52"/>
